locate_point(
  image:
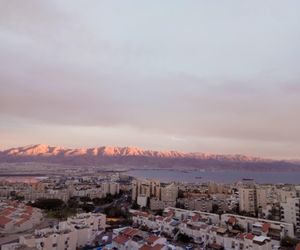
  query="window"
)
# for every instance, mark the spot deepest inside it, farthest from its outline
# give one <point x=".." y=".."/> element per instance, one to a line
<point x="233" y="244"/>
<point x="54" y="245"/>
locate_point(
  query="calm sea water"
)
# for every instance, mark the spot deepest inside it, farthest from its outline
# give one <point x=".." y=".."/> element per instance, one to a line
<point x="217" y="176"/>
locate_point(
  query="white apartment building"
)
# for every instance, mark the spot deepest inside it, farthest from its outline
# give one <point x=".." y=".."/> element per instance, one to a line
<point x="262" y="197"/>
<point x="142" y="200"/>
<point x="284" y="194"/>
<point x="146" y="188"/>
<point x="169" y="194"/>
<point x="159" y="196"/>
<point x="247" y="199"/>
<point x="290" y="211"/>
<point x="156" y="204"/>
<point x="76" y="232"/>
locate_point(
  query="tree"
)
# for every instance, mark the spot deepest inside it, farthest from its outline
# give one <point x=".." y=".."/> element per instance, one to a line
<point x="215" y="208"/>
<point x="180" y="193"/>
<point x="98" y="201"/>
<point x="238" y="227"/>
<point x="49" y="204"/>
<point x="88" y="207"/>
<point x="19" y="198"/>
<point x="184" y="238"/>
<point x="159" y="212"/>
<point x="85" y="199"/>
<point x="135" y="206"/>
<point x="115" y="212"/>
<point x="73" y="203"/>
<point x="289" y="242"/>
<point x="179" y="205"/>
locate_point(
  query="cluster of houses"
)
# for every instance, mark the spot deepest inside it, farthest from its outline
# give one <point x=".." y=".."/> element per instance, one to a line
<point x="17" y="217"/>
<point x="76" y="232"/>
<point x="211" y="231"/>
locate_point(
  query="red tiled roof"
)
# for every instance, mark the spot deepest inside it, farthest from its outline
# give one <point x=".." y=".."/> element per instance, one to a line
<point x="18" y="223"/>
<point x="4" y="220"/>
<point x="232" y="220"/>
<point x="265" y="227"/>
<point x="25" y="216"/>
<point x="121" y="239"/>
<point x="298" y="246"/>
<point x="146" y="247"/>
<point x="240" y="236"/>
<point x="130" y="232"/>
<point x="160" y="218"/>
<point x="157" y="247"/>
<point x="8" y="211"/>
<point x="151" y="239"/>
<point x="196" y="217"/>
<point x="249" y="236"/>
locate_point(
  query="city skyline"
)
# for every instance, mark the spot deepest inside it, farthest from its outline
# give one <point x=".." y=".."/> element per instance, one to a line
<point x="193" y="77"/>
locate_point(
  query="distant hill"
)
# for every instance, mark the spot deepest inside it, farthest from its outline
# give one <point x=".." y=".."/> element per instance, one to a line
<point x="139" y="158"/>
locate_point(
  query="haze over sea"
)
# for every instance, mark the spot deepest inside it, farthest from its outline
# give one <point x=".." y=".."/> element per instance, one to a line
<point x="227" y="176"/>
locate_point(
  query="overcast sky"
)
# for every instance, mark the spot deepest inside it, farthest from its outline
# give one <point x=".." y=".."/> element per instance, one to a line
<point x="211" y="76"/>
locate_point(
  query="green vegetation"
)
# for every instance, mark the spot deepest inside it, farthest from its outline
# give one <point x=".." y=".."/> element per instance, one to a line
<point x="54" y="208"/>
<point x="215" y="208"/>
<point x="49" y="204"/>
<point x="15" y="196"/>
<point x="135" y="206"/>
<point x="289" y="242"/>
<point x="180" y="205"/>
<point x="184" y="238"/>
<point x="238" y="227"/>
<point x="180" y="193"/>
<point x="106" y="200"/>
<point x="116" y="212"/>
<point x="61" y="214"/>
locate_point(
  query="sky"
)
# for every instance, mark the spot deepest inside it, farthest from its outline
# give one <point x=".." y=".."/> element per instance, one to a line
<point x="195" y="76"/>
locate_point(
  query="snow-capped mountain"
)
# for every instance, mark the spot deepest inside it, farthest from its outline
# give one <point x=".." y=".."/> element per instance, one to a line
<point x="134" y="156"/>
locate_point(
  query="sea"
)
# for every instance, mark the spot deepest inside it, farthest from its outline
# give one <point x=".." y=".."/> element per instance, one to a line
<point x="228" y="176"/>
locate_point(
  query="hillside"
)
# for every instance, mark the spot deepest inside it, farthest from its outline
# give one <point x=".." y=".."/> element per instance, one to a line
<point x="138" y="158"/>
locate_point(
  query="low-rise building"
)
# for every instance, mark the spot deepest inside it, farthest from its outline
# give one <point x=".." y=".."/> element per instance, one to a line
<point x="135" y="239"/>
<point x="211" y="231"/>
<point x="276" y="230"/>
<point x="17" y="217"/>
<point x="76" y="232"/>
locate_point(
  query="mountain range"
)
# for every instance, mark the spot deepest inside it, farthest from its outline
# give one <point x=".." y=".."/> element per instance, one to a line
<point x="138" y="158"/>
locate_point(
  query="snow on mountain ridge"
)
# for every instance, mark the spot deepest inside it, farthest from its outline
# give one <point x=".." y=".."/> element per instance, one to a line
<point x="110" y="151"/>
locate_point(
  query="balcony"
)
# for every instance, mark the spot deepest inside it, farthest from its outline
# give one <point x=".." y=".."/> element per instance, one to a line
<point x="274" y="234"/>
